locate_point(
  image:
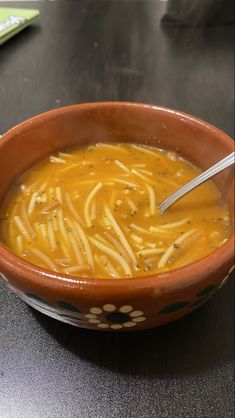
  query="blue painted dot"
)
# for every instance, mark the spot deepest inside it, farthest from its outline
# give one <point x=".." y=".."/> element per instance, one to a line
<point x="118" y="317"/>
<point x="174" y="307"/>
<point x="38" y="299"/>
<point x="68" y="307"/>
<point x="207" y="290"/>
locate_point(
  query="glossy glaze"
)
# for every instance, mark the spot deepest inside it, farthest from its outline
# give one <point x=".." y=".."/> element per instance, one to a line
<point x="161" y="298"/>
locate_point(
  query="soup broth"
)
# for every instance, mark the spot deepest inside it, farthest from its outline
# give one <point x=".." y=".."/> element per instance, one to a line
<point x="93" y="212"/>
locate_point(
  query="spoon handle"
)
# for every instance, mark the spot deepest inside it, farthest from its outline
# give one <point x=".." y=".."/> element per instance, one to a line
<point x="212" y="171"/>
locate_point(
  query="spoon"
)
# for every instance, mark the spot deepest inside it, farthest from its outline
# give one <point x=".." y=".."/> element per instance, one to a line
<point x="206" y="175"/>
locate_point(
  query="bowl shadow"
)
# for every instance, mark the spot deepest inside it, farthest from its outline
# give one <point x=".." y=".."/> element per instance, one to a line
<point x="188" y="346"/>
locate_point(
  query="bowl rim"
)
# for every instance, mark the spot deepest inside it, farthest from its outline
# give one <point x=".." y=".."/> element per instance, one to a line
<point x="180" y="277"/>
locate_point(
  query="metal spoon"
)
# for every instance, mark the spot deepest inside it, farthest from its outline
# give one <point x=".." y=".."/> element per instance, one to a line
<point x="206" y="175"/>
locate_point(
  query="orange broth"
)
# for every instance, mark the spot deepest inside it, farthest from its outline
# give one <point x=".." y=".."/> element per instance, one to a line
<point x="93" y="212"/>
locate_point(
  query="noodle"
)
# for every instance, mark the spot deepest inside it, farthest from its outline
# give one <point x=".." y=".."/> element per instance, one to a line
<point x="85" y="243"/>
<point x="151" y="199"/>
<point x="57" y="160"/>
<point x="77" y="269"/>
<point x="122" y="166"/>
<point x="119" y="233"/>
<point x="75" y="248"/>
<point x="175" y="224"/>
<point x="62" y="225"/>
<point x="170" y="250"/>
<point x="51" y="236"/>
<point x="21" y="228"/>
<point x="19" y="244"/>
<point x="114" y="255"/>
<point x="43" y="257"/>
<point x="92" y="193"/>
<point x="72" y="208"/>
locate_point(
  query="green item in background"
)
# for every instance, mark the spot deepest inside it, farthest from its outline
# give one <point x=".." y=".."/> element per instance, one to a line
<point x="13" y="21"/>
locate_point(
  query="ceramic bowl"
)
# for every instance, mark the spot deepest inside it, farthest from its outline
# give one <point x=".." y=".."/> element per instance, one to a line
<point x="121" y="304"/>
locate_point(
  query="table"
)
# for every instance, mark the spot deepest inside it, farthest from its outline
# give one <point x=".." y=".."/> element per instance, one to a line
<point x="96" y="50"/>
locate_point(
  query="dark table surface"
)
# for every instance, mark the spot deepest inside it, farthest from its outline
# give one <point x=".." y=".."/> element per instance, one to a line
<point x="116" y="50"/>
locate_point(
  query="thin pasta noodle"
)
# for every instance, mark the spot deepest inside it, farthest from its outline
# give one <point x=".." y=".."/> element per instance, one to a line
<point x="158" y="231"/>
<point x="65" y="250"/>
<point x="109" y="267"/>
<point x="93" y="210"/>
<point x="63" y="262"/>
<point x="122" y="166"/>
<point x="75" y="248"/>
<point x="72" y="208"/>
<point x="61" y="225"/>
<point x="119" y="233"/>
<point x="77" y="269"/>
<point x="51" y="195"/>
<point x="32" y="186"/>
<point x="21" y="228"/>
<point x="138" y="246"/>
<point x="102" y="239"/>
<point x="147" y="151"/>
<point x="58" y="194"/>
<point x="57" y="160"/>
<point x="149" y="173"/>
<point x="54" y="221"/>
<point x="74" y="232"/>
<point x="141" y="176"/>
<point x="43" y="231"/>
<point x="37" y="229"/>
<point x="19" y="244"/>
<point x="44" y="197"/>
<point x="198" y="234"/>
<point x="151" y="251"/>
<point x="26" y="221"/>
<point x="113" y="254"/>
<point x="81" y="183"/>
<point x="92" y="193"/>
<point x="132" y="205"/>
<point x="175" y="224"/>
<point x="125" y="182"/>
<point x="137" y="239"/>
<point x="64" y="170"/>
<point x="119" y="246"/>
<point x="51" y="236"/>
<point x="44" y="258"/>
<point x="114" y="147"/>
<point x="150" y="245"/>
<point x="152" y="200"/>
<point x="11" y="229"/>
<point x="171" y="249"/>
<point x="41" y="189"/>
<point x="85" y="243"/>
<point x="32" y="203"/>
<point x="223" y="242"/>
<point x="140" y="229"/>
<point x="65" y="155"/>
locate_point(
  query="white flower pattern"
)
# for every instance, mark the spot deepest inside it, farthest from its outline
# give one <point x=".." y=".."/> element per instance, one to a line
<point x="108" y="316"/>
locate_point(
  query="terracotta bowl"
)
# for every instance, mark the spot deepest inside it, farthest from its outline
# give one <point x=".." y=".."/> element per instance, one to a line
<point x="123" y="304"/>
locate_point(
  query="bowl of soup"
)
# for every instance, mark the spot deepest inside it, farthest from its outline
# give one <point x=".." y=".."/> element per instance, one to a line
<point x="82" y="239"/>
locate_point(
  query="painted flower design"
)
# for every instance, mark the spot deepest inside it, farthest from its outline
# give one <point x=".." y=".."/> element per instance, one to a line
<point x="109" y="316"/>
